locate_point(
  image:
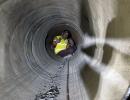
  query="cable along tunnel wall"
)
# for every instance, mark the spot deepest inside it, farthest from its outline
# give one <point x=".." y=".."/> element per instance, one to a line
<point x="29" y="68"/>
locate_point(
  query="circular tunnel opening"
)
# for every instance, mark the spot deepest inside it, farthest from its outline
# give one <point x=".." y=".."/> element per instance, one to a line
<point x="58" y="31"/>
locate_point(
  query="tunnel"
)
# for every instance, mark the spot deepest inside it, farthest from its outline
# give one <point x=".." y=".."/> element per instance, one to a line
<point x="30" y="70"/>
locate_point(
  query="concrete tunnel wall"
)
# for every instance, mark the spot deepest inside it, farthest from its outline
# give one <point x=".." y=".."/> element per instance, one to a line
<point x="25" y="64"/>
<point x="28" y="65"/>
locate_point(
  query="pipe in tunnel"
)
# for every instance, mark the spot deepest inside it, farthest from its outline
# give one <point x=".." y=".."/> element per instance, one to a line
<point x="27" y="58"/>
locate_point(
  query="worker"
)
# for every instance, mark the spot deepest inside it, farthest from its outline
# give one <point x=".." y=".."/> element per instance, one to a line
<point x="59" y="44"/>
<point x="63" y="44"/>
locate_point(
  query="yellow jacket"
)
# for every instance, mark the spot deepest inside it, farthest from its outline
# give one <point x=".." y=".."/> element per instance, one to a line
<point x="62" y="45"/>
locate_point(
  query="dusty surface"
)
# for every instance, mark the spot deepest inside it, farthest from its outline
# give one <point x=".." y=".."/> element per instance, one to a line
<point x="108" y="18"/>
<point x="111" y="19"/>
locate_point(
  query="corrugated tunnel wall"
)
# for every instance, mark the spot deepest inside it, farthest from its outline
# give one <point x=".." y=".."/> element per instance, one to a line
<point x="29" y="72"/>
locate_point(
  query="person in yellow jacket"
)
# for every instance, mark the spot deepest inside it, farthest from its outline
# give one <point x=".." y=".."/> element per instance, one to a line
<point x="63" y="44"/>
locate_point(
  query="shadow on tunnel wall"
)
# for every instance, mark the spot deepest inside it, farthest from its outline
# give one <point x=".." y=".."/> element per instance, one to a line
<point x="90" y="78"/>
<point x="85" y="18"/>
<point x="119" y="26"/>
<point x="85" y="25"/>
<point x="91" y="81"/>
